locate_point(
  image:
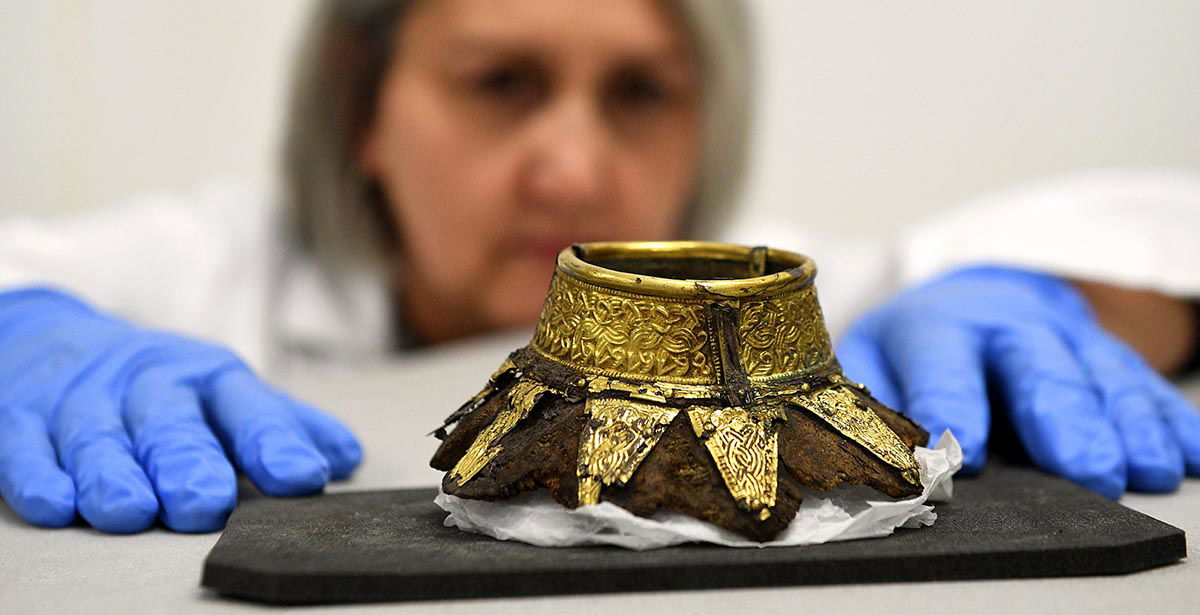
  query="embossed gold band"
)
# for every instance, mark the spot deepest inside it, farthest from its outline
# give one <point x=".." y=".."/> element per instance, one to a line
<point x="644" y="328"/>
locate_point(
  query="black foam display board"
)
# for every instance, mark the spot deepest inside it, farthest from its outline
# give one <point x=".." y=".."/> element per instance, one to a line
<point x="1009" y="522"/>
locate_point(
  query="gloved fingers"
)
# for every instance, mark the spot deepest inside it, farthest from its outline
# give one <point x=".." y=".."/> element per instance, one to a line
<point x="863" y="361"/>
<point x="186" y="464"/>
<point x="30" y="479"/>
<point x="940" y="371"/>
<point x="332" y="438"/>
<point x="113" y="493"/>
<point x="261" y="431"/>
<point x="1055" y="410"/>
<point x="1154" y="457"/>
<point x="1183" y="418"/>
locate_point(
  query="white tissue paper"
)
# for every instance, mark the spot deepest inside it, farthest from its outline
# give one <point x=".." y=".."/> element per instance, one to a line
<point x="846" y="513"/>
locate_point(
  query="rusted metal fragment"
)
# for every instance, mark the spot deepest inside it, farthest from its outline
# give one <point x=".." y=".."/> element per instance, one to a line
<point x="521" y="399"/>
<point x="841" y="408"/>
<point x="820" y="458"/>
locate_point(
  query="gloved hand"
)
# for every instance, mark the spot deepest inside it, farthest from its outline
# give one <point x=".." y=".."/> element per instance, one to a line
<point x="1084" y="405"/>
<point x="125" y="425"/>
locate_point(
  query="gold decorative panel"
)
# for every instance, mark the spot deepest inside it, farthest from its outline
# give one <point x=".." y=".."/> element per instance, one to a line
<point x="745" y="447"/>
<point x="617" y="334"/>
<point x="618" y="436"/>
<point x="783" y="336"/>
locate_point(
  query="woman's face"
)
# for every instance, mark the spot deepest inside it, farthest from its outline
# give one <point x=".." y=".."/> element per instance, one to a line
<point x="506" y="131"/>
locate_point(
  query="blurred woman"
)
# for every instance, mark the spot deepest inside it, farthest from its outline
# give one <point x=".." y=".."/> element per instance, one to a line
<point x="439" y="155"/>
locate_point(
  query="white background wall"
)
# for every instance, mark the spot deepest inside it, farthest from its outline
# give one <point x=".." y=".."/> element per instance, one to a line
<point x="873" y="111"/>
<point x="104" y="99"/>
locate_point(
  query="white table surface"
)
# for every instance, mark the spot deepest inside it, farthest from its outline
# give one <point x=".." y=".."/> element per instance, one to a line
<point x="391" y="408"/>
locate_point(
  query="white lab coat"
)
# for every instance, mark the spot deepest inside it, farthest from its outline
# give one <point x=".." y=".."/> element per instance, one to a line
<point x="220" y="266"/>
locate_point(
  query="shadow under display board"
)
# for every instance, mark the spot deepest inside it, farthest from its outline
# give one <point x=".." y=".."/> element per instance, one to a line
<point x="1010" y="522"/>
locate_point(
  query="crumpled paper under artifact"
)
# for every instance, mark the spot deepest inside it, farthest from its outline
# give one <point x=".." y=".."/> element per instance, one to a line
<point x="845" y="513"/>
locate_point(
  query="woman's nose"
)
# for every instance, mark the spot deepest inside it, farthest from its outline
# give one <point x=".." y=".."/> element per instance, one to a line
<point x="569" y="165"/>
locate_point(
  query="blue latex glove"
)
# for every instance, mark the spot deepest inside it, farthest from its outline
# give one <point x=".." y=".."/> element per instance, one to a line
<point x="1085" y="405"/>
<point x="126" y="425"/>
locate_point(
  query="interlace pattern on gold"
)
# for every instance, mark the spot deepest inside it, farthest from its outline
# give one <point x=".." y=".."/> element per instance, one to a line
<point x="523" y="395"/>
<point x="745" y="447"/>
<point x="841" y="409"/>
<point x="618" y="334"/>
<point x="783" y="336"/>
<point x="618" y="436"/>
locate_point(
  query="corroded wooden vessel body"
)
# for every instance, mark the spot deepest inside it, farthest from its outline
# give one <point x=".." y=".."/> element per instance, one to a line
<point x="685" y="376"/>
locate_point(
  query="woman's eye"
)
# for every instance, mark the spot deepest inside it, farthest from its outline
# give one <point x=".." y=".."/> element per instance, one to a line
<point x="639" y="92"/>
<point x="506" y="84"/>
<point x="643" y="91"/>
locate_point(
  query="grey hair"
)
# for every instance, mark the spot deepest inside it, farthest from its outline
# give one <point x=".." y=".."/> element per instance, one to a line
<point x="340" y="214"/>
